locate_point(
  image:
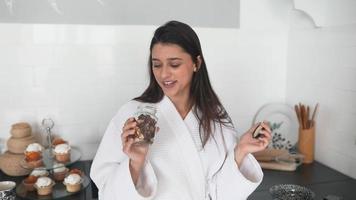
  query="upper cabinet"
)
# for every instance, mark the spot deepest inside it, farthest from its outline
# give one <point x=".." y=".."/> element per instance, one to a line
<point x="204" y="13"/>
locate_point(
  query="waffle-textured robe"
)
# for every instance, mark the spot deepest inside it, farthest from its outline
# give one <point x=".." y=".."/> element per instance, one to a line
<point x="177" y="167"/>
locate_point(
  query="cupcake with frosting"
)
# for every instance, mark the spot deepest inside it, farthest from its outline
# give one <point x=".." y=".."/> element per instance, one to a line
<point x="34" y="147"/>
<point x="29" y="183"/>
<point x="59" y="171"/>
<point x="33" y="155"/>
<point x="40" y="171"/>
<point x="44" y="186"/>
<point x="62" y="152"/>
<point x="73" y="182"/>
<point x="58" y="141"/>
<point x="76" y="171"/>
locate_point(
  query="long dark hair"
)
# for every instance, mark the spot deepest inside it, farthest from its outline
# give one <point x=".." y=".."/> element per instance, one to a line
<point x="207" y="106"/>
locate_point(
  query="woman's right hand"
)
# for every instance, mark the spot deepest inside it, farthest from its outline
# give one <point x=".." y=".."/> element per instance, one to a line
<point x="136" y="153"/>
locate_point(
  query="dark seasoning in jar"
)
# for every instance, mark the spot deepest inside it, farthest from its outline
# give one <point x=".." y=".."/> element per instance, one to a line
<point x="146" y="124"/>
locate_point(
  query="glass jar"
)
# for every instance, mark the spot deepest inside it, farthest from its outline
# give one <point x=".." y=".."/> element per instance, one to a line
<point x="146" y="123"/>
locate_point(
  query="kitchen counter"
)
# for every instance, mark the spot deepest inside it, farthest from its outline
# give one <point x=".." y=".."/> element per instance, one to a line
<point x="318" y="177"/>
<point x="321" y="179"/>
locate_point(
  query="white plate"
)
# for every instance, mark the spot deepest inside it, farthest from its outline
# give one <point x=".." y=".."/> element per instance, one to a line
<point x="283" y="122"/>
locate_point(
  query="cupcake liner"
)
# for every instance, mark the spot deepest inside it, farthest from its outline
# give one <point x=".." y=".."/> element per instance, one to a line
<point x="45" y="190"/>
<point x="59" y="176"/>
<point x="62" y="157"/>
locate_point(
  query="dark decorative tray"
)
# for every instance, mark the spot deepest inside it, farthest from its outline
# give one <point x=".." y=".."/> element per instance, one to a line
<point x="291" y="192"/>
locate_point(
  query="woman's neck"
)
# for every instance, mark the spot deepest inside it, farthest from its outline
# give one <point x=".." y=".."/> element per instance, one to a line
<point x="183" y="106"/>
<point x="183" y="112"/>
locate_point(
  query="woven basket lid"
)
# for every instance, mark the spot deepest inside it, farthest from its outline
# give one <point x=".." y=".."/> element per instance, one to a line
<point x="20" y="130"/>
<point x="20" y="125"/>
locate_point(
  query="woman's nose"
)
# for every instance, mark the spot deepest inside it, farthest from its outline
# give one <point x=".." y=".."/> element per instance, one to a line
<point x="165" y="73"/>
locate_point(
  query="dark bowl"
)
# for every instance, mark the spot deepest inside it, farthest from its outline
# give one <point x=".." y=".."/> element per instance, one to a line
<point x="291" y="192"/>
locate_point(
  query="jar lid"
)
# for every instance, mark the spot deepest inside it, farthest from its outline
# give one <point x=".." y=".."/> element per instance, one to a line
<point x="149" y="108"/>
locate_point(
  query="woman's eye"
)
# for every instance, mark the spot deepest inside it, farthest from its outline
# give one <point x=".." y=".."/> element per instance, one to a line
<point x="175" y="65"/>
<point x="156" y="65"/>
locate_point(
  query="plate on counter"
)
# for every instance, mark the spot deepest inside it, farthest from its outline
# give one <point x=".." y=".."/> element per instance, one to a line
<point x="283" y="122"/>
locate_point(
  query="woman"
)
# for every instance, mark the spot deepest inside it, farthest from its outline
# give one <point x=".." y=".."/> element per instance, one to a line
<point x="195" y="154"/>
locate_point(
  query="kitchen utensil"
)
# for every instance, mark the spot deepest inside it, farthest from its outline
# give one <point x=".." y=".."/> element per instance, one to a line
<point x="297" y="111"/>
<point x="314" y="113"/>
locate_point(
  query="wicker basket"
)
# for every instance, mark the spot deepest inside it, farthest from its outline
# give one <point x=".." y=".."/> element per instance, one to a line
<point x="18" y="145"/>
<point x="20" y="130"/>
<point x="10" y="164"/>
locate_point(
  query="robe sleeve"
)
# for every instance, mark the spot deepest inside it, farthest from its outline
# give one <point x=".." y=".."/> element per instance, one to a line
<point x="110" y="169"/>
<point x="233" y="182"/>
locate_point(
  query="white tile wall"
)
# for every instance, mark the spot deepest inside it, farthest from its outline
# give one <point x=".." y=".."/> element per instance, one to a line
<point x="80" y="75"/>
<point x="321" y="68"/>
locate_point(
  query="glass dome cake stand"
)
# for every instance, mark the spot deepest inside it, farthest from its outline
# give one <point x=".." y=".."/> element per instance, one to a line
<point x="59" y="191"/>
<point x="49" y="161"/>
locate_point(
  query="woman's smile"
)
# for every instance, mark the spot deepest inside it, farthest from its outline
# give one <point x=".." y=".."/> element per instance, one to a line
<point x="169" y="84"/>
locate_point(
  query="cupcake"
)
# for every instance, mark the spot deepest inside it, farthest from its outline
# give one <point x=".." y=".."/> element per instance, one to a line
<point x="34" y="147"/>
<point x="40" y="171"/>
<point x="29" y="183"/>
<point x="44" y="186"/>
<point x="33" y="155"/>
<point x="73" y="182"/>
<point x="62" y="152"/>
<point x="58" y="141"/>
<point x="59" y="172"/>
<point x="76" y="171"/>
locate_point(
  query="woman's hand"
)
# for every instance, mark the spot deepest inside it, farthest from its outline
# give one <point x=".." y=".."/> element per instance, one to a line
<point x="136" y="153"/>
<point x="247" y="144"/>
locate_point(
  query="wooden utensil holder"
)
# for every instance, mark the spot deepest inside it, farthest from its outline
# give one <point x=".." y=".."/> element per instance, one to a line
<point x="306" y="143"/>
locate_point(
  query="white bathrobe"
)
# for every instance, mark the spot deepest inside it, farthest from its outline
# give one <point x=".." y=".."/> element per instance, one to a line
<point x="177" y="167"/>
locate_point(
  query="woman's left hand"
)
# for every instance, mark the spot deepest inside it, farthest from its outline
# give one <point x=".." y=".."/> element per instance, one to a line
<point x="247" y="144"/>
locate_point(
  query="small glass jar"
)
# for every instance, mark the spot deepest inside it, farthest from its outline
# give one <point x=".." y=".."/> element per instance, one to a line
<point x="146" y="123"/>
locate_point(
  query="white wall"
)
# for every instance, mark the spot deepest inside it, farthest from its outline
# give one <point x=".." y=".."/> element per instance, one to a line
<point x="322" y="68"/>
<point x="80" y="75"/>
<point x="329" y="12"/>
<point x="77" y="75"/>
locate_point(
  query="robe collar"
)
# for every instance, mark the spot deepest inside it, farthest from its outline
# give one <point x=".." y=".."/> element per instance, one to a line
<point x="215" y="147"/>
<point x="194" y="170"/>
